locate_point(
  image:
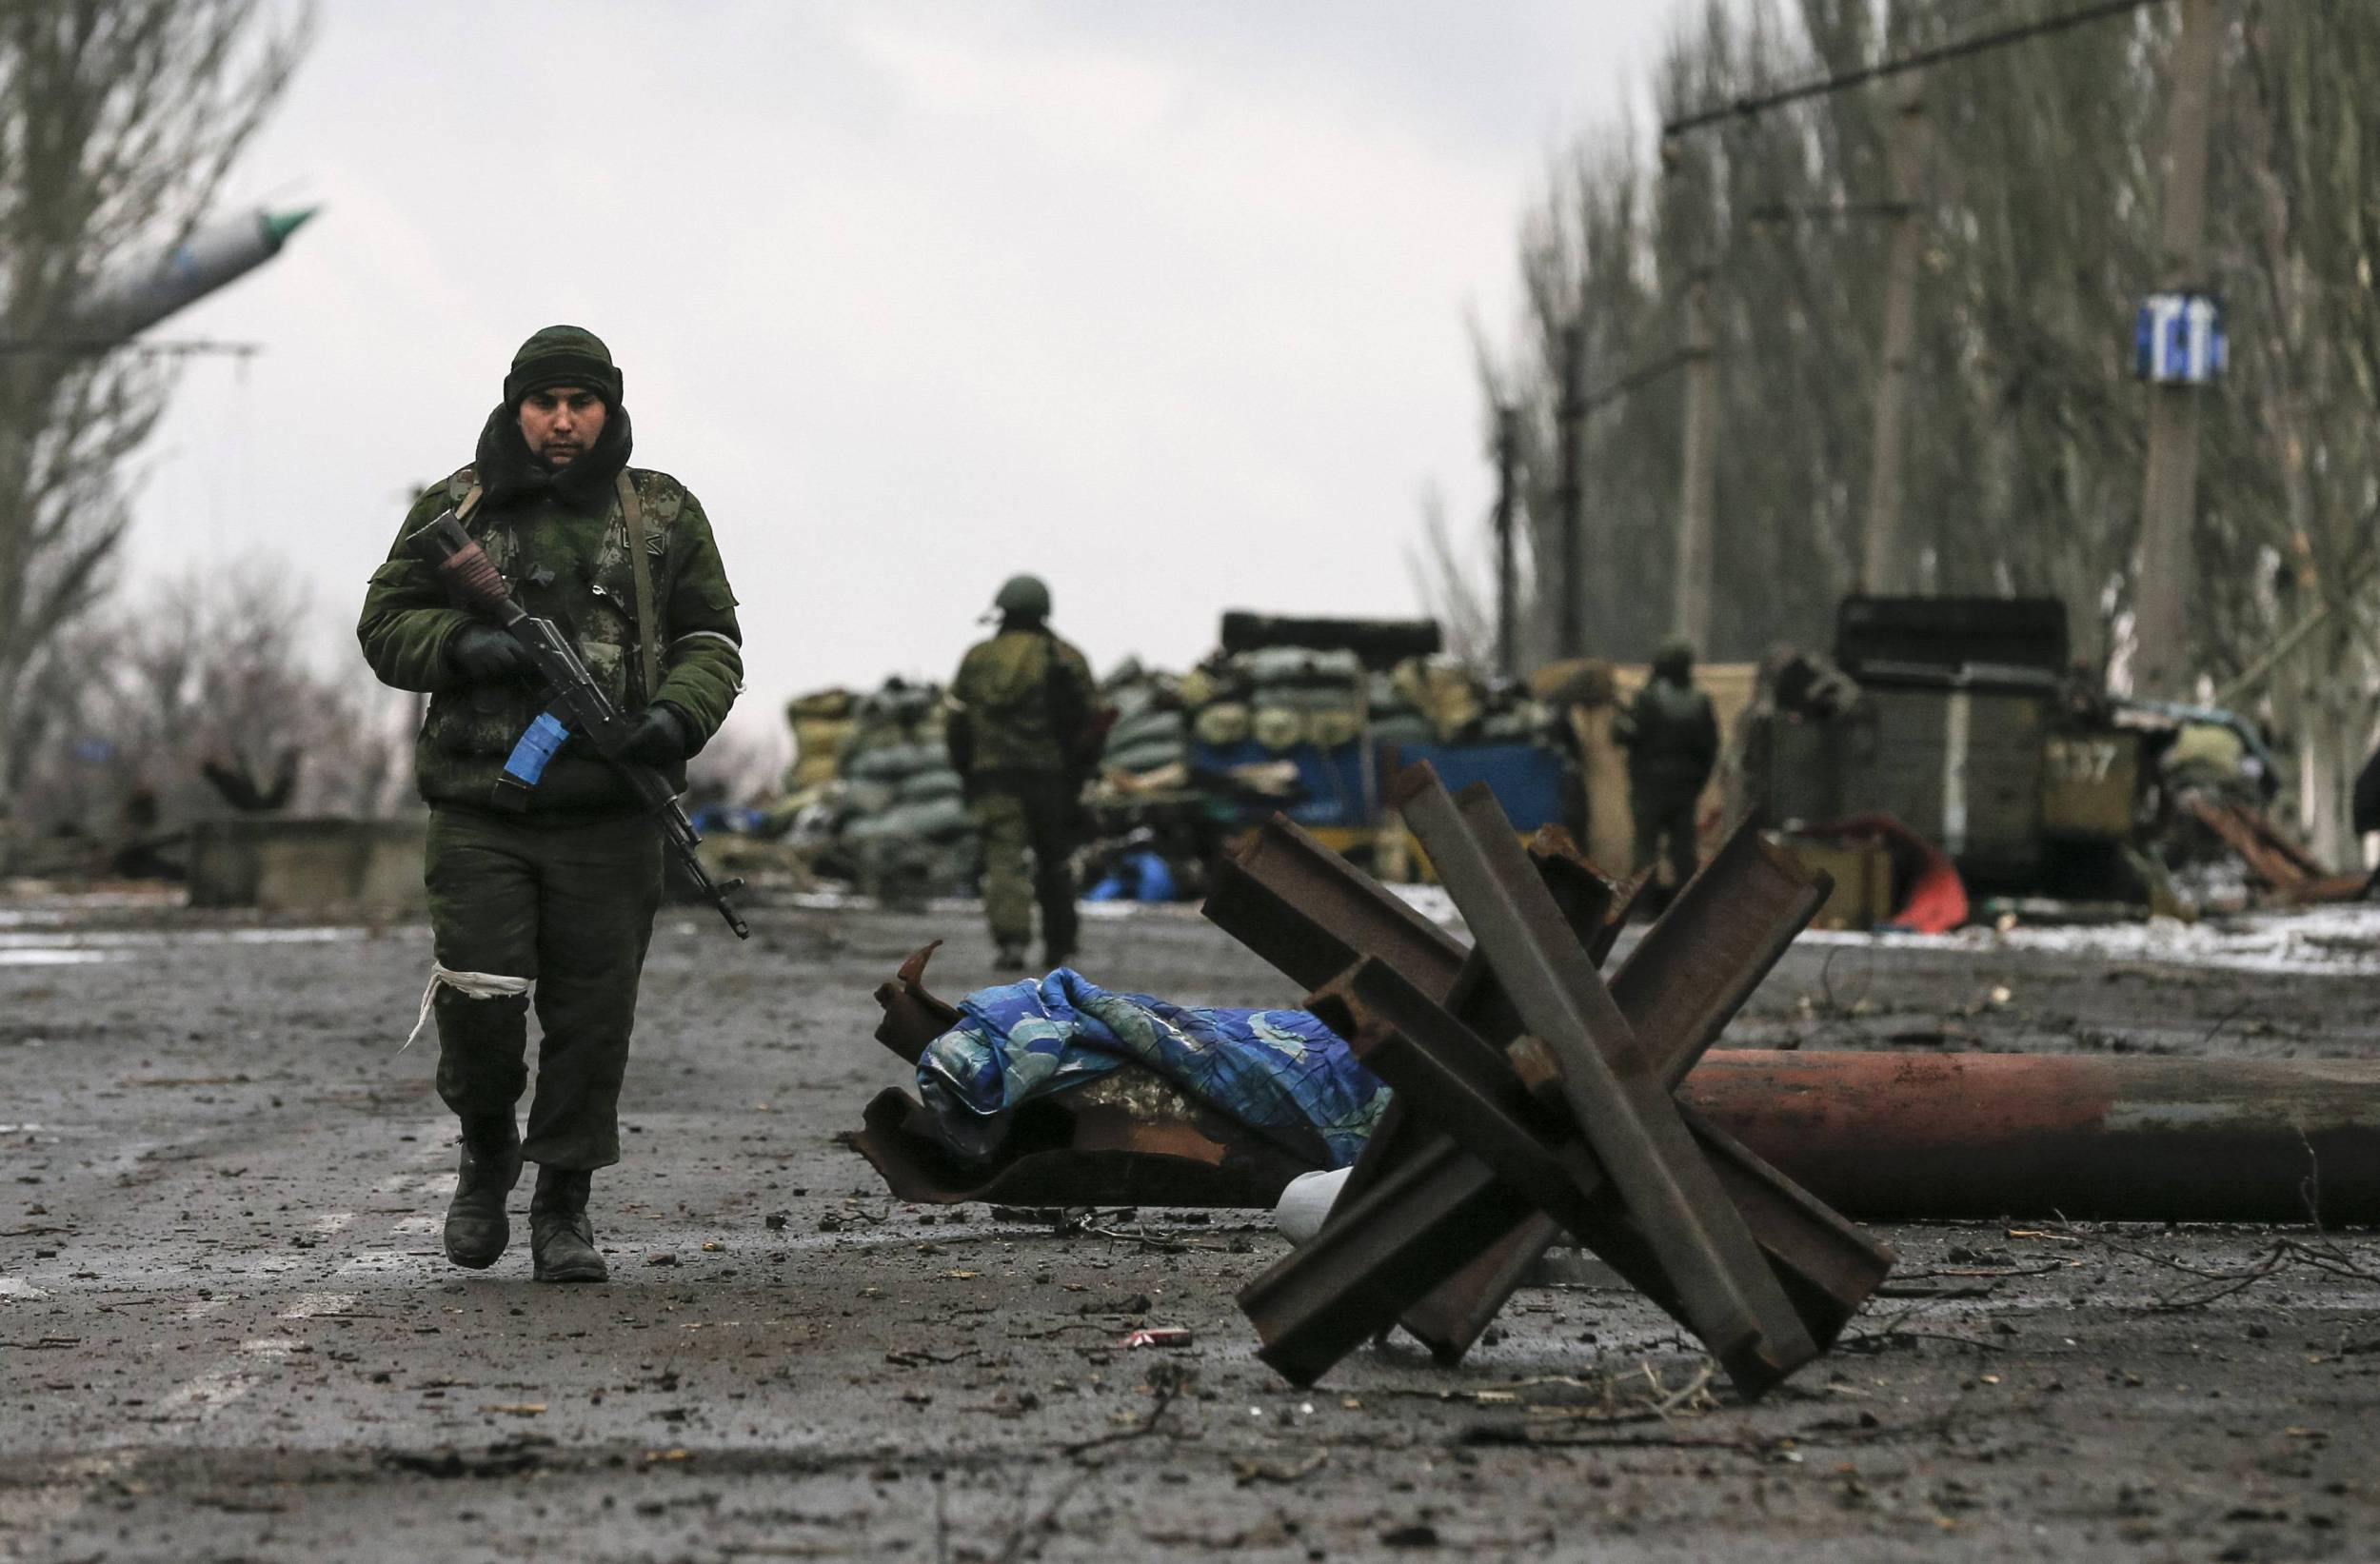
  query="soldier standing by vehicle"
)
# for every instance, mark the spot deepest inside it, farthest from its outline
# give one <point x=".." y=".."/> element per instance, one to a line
<point x="1673" y="740"/>
<point x="559" y="895"/>
<point x="1022" y="733"/>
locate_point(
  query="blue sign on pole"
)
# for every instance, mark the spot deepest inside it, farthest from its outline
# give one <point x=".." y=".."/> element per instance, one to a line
<point x="2178" y="339"/>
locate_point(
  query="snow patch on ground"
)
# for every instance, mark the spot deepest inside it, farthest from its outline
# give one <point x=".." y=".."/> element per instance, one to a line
<point x="2318" y="942"/>
<point x="2314" y="941"/>
<point x="1431" y="902"/>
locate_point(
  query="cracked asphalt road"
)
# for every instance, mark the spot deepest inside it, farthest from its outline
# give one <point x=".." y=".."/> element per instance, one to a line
<point x="226" y="1331"/>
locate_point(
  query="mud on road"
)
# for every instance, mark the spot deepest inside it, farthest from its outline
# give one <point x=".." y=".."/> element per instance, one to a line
<point x="226" y="1331"/>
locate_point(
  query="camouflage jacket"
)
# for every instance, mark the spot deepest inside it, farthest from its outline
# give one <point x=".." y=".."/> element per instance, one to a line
<point x="1021" y="702"/>
<point x="1672" y="735"/>
<point x="574" y="569"/>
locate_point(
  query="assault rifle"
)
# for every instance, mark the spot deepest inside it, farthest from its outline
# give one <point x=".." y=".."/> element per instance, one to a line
<point x="576" y="705"/>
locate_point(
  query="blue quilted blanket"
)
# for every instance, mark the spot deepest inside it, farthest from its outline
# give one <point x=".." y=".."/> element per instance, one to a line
<point x="1280" y="1072"/>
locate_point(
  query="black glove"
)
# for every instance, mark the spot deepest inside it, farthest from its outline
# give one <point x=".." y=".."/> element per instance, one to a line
<point x="485" y="655"/>
<point x="659" y="735"/>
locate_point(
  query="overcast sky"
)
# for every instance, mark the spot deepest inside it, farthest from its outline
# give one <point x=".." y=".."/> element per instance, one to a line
<point x="1165" y="301"/>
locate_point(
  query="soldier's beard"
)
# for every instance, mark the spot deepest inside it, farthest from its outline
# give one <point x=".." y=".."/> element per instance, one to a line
<point x="582" y="475"/>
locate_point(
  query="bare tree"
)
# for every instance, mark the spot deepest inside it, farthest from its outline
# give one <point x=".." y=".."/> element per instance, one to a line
<point x="211" y="668"/>
<point x="1443" y="568"/>
<point x="118" y="121"/>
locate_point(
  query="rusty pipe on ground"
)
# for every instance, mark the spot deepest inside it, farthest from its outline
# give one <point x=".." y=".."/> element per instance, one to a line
<point x="1895" y="1137"/>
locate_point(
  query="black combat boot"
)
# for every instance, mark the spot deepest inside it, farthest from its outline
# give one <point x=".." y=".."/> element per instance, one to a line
<point x="477" y="1228"/>
<point x="561" y="1240"/>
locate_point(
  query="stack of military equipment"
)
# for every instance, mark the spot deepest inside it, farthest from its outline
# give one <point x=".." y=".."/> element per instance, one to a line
<point x="1960" y="719"/>
<point x="821" y="724"/>
<point x="893" y="820"/>
<point x="1340" y="701"/>
<point x="1148" y="745"/>
<point x="1427" y="702"/>
<point x="1151" y="830"/>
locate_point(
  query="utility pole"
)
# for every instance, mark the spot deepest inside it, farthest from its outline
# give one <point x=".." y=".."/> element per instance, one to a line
<point x="1570" y="495"/>
<point x="2168" y="490"/>
<point x="1507" y="608"/>
<point x="1699" y="481"/>
<point x="1882" y="567"/>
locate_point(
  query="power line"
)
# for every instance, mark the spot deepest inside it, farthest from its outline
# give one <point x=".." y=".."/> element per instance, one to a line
<point x="1745" y="107"/>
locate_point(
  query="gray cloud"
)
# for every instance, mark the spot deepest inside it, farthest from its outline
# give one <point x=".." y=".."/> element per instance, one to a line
<point x="1165" y="301"/>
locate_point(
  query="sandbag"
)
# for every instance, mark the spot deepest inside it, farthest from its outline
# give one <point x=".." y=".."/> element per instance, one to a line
<point x="934" y="821"/>
<point x="1277" y="665"/>
<point x="852" y="800"/>
<point x="1223" y="724"/>
<point x="1279" y="728"/>
<point x="1405" y="730"/>
<point x="1334" y="728"/>
<point x="1443" y="690"/>
<point x="928" y="786"/>
<point x="1148" y="755"/>
<point x="831" y="705"/>
<point x="818" y="747"/>
<point x="1515" y="724"/>
<point x="892" y="763"/>
<point x="1131" y="731"/>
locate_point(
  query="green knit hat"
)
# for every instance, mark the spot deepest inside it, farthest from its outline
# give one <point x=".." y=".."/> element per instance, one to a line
<point x="563" y="355"/>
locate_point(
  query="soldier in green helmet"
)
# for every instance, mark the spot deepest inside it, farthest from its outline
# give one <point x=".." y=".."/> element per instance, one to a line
<point x="1022" y="733"/>
<point x="1673" y="740"/>
<point x="558" y="897"/>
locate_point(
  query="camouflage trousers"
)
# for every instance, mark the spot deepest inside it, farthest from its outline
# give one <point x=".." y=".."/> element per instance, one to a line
<point x="1665" y="829"/>
<point x="1023" y="816"/>
<point x="571" y="904"/>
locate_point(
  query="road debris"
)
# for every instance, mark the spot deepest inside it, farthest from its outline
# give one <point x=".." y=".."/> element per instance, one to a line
<point x="1158" y="1336"/>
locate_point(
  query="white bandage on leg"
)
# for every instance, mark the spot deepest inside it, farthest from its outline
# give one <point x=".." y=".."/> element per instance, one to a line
<point x="471" y="985"/>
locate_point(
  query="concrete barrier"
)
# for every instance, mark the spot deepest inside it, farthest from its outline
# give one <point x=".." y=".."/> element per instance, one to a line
<point x="308" y="866"/>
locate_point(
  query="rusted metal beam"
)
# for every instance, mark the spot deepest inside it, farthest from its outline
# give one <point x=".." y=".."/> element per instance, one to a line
<point x="1729" y="1297"/>
<point x="1460" y="1085"/>
<point x="1453" y="1316"/>
<point x="1898" y="1137"/>
<point x="1826" y="1265"/>
<point x="1287" y="895"/>
<point x="1303" y="907"/>
<point x="1750" y="902"/>
<point x="913" y="1017"/>
<point x="1313" y="915"/>
<point x="1377" y="1257"/>
<point x="1715" y="946"/>
<point x="1128" y="1139"/>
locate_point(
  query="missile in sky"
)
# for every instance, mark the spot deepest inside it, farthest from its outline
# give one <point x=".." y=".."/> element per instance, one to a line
<point x="129" y="300"/>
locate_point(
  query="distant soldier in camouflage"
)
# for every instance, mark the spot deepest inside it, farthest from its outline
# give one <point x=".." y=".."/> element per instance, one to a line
<point x="1673" y="740"/>
<point x="561" y="896"/>
<point x="1022" y="733"/>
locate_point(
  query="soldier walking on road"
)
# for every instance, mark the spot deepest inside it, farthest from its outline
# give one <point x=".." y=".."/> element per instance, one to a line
<point x="1022" y="734"/>
<point x="558" y="896"/>
<point x="1673" y="740"/>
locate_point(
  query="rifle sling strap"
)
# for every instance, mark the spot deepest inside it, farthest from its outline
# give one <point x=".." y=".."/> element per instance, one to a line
<point x="648" y="624"/>
<point x="469" y="506"/>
